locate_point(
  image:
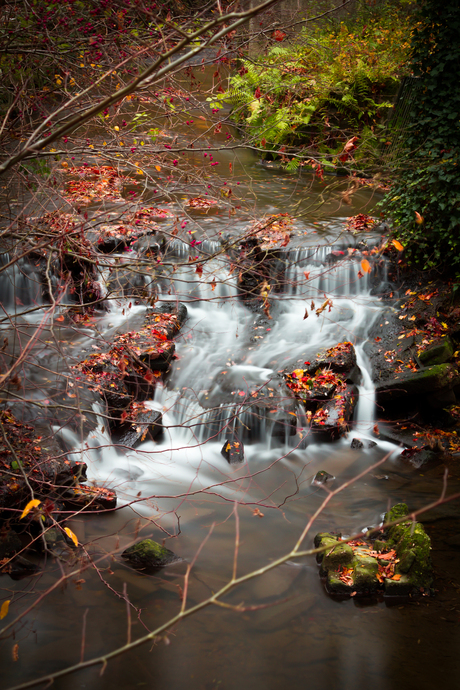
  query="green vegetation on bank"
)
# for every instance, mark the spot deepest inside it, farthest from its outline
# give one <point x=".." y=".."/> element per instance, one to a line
<point x="424" y="202"/>
<point x="333" y="83"/>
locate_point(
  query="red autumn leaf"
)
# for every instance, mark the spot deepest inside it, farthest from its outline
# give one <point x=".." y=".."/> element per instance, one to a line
<point x="306" y="274"/>
<point x="199" y="269"/>
<point x="257" y="93"/>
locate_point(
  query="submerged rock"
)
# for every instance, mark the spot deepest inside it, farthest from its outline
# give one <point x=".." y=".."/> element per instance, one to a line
<point x="399" y="563"/>
<point x="149" y="555"/>
<point x="359" y="443"/>
<point x="322" y="477"/>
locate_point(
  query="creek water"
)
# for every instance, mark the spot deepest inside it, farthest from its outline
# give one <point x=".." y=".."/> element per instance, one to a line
<point x="289" y="632"/>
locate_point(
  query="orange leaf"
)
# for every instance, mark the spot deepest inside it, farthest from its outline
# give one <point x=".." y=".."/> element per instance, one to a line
<point x="365" y="265"/>
<point x="157" y="167"/>
<point x="59" y="318"/>
<point x="418" y="218"/>
<point x="4" y="609"/>
<point x="397" y="244"/>
<point x="31" y="504"/>
<point x="70" y="534"/>
<point x="396" y="577"/>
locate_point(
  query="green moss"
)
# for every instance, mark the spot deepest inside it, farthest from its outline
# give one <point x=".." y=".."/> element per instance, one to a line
<point x="337" y="556"/>
<point x="327" y="540"/>
<point x="365" y="569"/>
<point x="149" y="554"/>
<point x="438" y="353"/>
<point x="335" y="585"/>
<point x="398" y="511"/>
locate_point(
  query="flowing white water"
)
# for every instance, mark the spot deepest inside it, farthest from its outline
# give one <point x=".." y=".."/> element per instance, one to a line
<point x="222" y="336"/>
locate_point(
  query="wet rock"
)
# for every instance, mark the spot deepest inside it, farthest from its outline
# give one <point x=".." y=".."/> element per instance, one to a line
<point x="322" y="477"/>
<point x="398" y="562"/>
<point x="139" y="358"/>
<point x="438" y="353"/>
<point x="142" y="425"/>
<point x="44" y="464"/>
<point x="149" y="555"/>
<point x="435" y="383"/>
<point x="332" y="418"/>
<point x="261" y="258"/>
<point x="119" y="238"/>
<point x="413" y="548"/>
<point x="365" y="443"/>
<point x="19" y="567"/>
<point x="340" y="359"/>
<point x="93" y="497"/>
<point x="233" y="450"/>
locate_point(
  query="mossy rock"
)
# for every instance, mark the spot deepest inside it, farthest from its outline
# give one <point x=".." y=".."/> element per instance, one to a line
<point x="148" y="554"/>
<point x="426" y="381"/>
<point x="335" y="585"/>
<point x="438" y="353"/>
<point x="413" y="547"/>
<point x="365" y="569"/>
<point x="327" y="540"/>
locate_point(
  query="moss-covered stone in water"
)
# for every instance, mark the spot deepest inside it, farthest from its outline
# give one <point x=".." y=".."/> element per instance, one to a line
<point x="335" y="585"/>
<point x="365" y="569"/>
<point x="149" y="554"/>
<point x="327" y="540"/>
<point x="340" y="554"/>
<point x="400" y="510"/>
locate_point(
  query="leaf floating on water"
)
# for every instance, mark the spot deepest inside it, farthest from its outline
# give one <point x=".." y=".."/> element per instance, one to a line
<point x="31" y="504"/>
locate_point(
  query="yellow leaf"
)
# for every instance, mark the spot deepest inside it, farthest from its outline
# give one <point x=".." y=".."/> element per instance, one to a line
<point x="71" y="535"/>
<point x="31" y="504"/>
<point x="116" y="128"/>
<point x="397" y="244"/>
<point x="365" y="266"/>
<point x="4" y="609"/>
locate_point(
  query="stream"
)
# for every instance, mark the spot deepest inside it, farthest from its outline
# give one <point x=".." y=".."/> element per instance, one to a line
<point x="289" y="632"/>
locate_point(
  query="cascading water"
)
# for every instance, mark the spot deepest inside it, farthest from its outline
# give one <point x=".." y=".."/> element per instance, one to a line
<point x="222" y="337"/>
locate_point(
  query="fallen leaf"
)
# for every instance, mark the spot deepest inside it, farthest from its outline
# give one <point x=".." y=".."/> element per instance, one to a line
<point x="71" y="535"/>
<point x="31" y="504"/>
<point x="4" y="609"/>
<point x="365" y="265"/>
